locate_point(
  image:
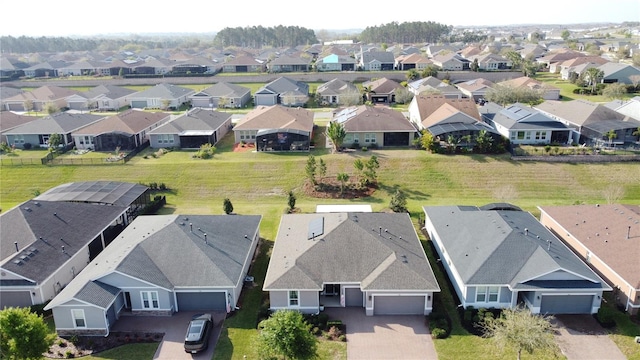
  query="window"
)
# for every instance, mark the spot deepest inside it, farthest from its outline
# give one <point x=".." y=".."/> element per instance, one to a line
<point x="150" y="300"/>
<point x="493" y="293"/>
<point x="18" y="139"/>
<point x="370" y="138"/>
<point x="487" y="293"/>
<point x="481" y="294"/>
<point x="293" y="298"/>
<point x="78" y="318"/>
<point x="165" y="138"/>
<point x="348" y="138"/>
<point x="520" y="135"/>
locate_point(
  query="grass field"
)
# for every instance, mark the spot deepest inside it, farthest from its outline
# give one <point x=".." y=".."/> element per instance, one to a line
<point x="258" y="183"/>
<point x="566" y="89"/>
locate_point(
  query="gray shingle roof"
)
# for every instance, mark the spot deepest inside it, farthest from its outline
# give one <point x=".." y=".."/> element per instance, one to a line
<point x="380" y="251"/>
<point x="46" y="226"/>
<point x="164" y="91"/>
<point x="195" y="119"/>
<point x="284" y="84"/>
<point x="502" y="246"/>
<point x="98" y="293"/>
<point x="60" y="123"/>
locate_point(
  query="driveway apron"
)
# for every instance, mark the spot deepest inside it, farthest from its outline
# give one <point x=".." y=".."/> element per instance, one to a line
<point x="174" y="328"/>
<point x="580" y="337"/>
<point x="405" y="337"/>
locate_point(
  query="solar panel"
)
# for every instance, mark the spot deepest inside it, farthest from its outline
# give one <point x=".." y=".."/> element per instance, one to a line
<point x="316" y="228"/>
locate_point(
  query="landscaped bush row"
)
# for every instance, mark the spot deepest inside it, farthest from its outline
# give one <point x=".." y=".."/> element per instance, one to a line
<point x="472" y="318"/>
<point x="439" y="320"/>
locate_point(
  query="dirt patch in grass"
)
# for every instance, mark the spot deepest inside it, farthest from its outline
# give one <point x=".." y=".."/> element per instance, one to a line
<point x="77" y="346"/>
<point x="239" y="147"/>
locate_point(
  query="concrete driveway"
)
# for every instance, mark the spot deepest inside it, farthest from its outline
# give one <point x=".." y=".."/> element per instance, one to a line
<point x="580" y="337"/>
<point x="404" y="337"/>
<point x="174" y="328"/>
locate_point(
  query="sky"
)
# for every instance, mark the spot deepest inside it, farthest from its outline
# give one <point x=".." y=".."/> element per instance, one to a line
<point x="81" y="18"/>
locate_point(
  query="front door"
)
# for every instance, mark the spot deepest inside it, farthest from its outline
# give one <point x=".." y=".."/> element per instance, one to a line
<point x="127" y="300"/>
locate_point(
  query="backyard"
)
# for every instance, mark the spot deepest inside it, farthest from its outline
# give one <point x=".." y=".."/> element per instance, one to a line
<point x="258" y="183"/>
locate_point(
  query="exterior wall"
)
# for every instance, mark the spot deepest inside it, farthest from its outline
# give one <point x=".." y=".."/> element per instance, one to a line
<point x="504" y="298"/>
<point x="528" y="136"/>
<point x="84" y="142"/>
<point x="627" y="295"/>
<point x="55" y="283"/>
<point x="94" y="318"/>
<point x="34" y="140"/>
<point x="266" y="99"/>
<point x="249" y="136"/>
<point x="414" y="114"/>
<point x="359" y="139"/>
<point x="154" y="141"/>
<point x="245" y="270"/>
<point x="309" y="301"/>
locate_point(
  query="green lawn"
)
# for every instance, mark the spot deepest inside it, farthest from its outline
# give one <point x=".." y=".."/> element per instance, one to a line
<point x="258" y="183"/>
<point x="127" y="352"/>
<point x="566" y="89"/>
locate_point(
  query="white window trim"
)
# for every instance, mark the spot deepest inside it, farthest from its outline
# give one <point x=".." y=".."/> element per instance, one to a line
<point x="150" y="300"/>
<point x="83" y="317"/>
<point x="296" y="299"/>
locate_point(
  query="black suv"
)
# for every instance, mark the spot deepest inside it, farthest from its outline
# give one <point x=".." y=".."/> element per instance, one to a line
<point x="198" y="333"/>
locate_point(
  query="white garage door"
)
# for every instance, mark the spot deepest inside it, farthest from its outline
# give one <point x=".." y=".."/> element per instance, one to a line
<point x="398" y="305"/>
<point x="566" y="304"/>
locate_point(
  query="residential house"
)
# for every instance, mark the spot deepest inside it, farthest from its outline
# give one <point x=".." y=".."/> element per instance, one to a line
<point x="152" y="66"/>
<point x="283" y="90"/>
<point x="574" y="72"/>
<point x="491" y="62"/>
<point x="338" y="92"/>
<point x="244" y="64"/>
<point x="159" y="265"/>
<point x="8" y="70"/>
<point x="523" y="125"/>
<point x="375" y="126"/>
<point x="619" y="73"/>
<point x="444" y="117"/>
<point x="195" y="65"/>
<point x="558" y="57"/>
<point x="289" y="64"/>
<point x="476" y="88"/>
<point x="547" y="91"/>
<point x="607" y="238"/>
<point x="8" y="91"/>
<point x="47" y="69"/>
<point x="450" y="61"/>
<point x="376" y="60"/>
<point x="107" y="97"/>
<point x="85" y="68"/>
<point x="590" y="122"/>
<point x="415" y="61"/>
<point x="10" y="120"/>
<point x="561" y="67"/>
<point x="161" y="96"/>
<point x="191" y="130"/>
<point x="38" y="99"/>
<point x="362" y="260"/>
<point x="432" y="50"/>
<point x="125" y="131"/>
<point x="380" y="91"/>
<point x="221" y="95"/>
<point x="336" y="62"/>
<point x="629" y="108"/>
<point x="276" y="127"/>
<point x="45" y="244"/>
<point x="37" y="132"/>
<point x="435" y="86"/>
<point x="498" y="256"/>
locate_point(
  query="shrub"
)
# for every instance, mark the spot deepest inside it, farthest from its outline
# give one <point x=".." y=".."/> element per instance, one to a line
<point x="74" y="339"/>
<point x="342" y="338"/>
<point x="62" y="343"/>
<point x="68" y="354"/>
<point x="162" y="186"/>
<point x="322" y="320"/>
<point x="334" y="332"/>
<point x="605" y="316"/>
<point x="438" y="333"/>
<point x="364" y="148"/>
<point x="27" y="146"/>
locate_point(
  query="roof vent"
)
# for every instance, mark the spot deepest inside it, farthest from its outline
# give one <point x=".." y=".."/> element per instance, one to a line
<point x="18" y="262"/>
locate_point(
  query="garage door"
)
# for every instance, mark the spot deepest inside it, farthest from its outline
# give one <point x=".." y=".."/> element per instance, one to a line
<point x="16" y="107"/>
<point x="201" y="301"/>
<point x="139" y="104"/>
<point x="15" y="299"/>
<point x="353" y="297"/>
<point x="566" y="304"/>
<point x="398" y="305"/>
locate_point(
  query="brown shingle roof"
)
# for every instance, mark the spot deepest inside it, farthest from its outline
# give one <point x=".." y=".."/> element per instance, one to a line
<point x="130" y="122"/>
<point x="428" y="104"/>
<point x="603" y="230"/>
<point x="277" y="117"/>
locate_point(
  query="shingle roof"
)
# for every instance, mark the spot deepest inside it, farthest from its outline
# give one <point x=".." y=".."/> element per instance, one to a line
<point x="46" y="226"/>
<point x="164" y="91"/>
<point x="380" y="251"/>
<point x="578" y="112"/>
<point x="284" y="84"/>
<point x="60" y="123"/>
<point x="129" y="122"/>
<point x="109" y="91"/>
<point x="382" y="85"/>
<point x="194" y="119"/>
<point x="603" y="229"/>
<point x="374" y="118"/>
<point x="504" y="247"/>
<point x="170" y="251"/>
<point x="276" y="117"/>
<point x="518" y="116"/>
<point x="226" y="89"/>
<point x="428" y="104"/>
<point x="336" y="87"/>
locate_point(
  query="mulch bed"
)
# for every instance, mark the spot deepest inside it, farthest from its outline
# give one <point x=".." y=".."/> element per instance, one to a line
<point x="64" y="348"/>
<point x="329" y="188"/>
<point x="238" y="147"/>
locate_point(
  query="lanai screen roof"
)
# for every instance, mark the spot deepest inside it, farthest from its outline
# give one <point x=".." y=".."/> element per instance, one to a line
<point x="103" y="192"/>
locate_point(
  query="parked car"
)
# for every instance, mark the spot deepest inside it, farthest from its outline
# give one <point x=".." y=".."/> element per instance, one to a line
<point x="198" y="333"/>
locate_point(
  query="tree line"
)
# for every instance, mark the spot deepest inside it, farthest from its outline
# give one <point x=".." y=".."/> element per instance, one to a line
<point x="26" y="44"/>
<point x="407" y="32"/>
<point x="259" y="36"/>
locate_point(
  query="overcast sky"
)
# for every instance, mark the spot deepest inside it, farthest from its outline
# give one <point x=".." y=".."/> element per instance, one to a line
<point x="80" y="17"/>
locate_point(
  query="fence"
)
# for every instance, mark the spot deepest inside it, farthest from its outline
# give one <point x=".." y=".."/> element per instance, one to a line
<point x="19" y="162"/>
